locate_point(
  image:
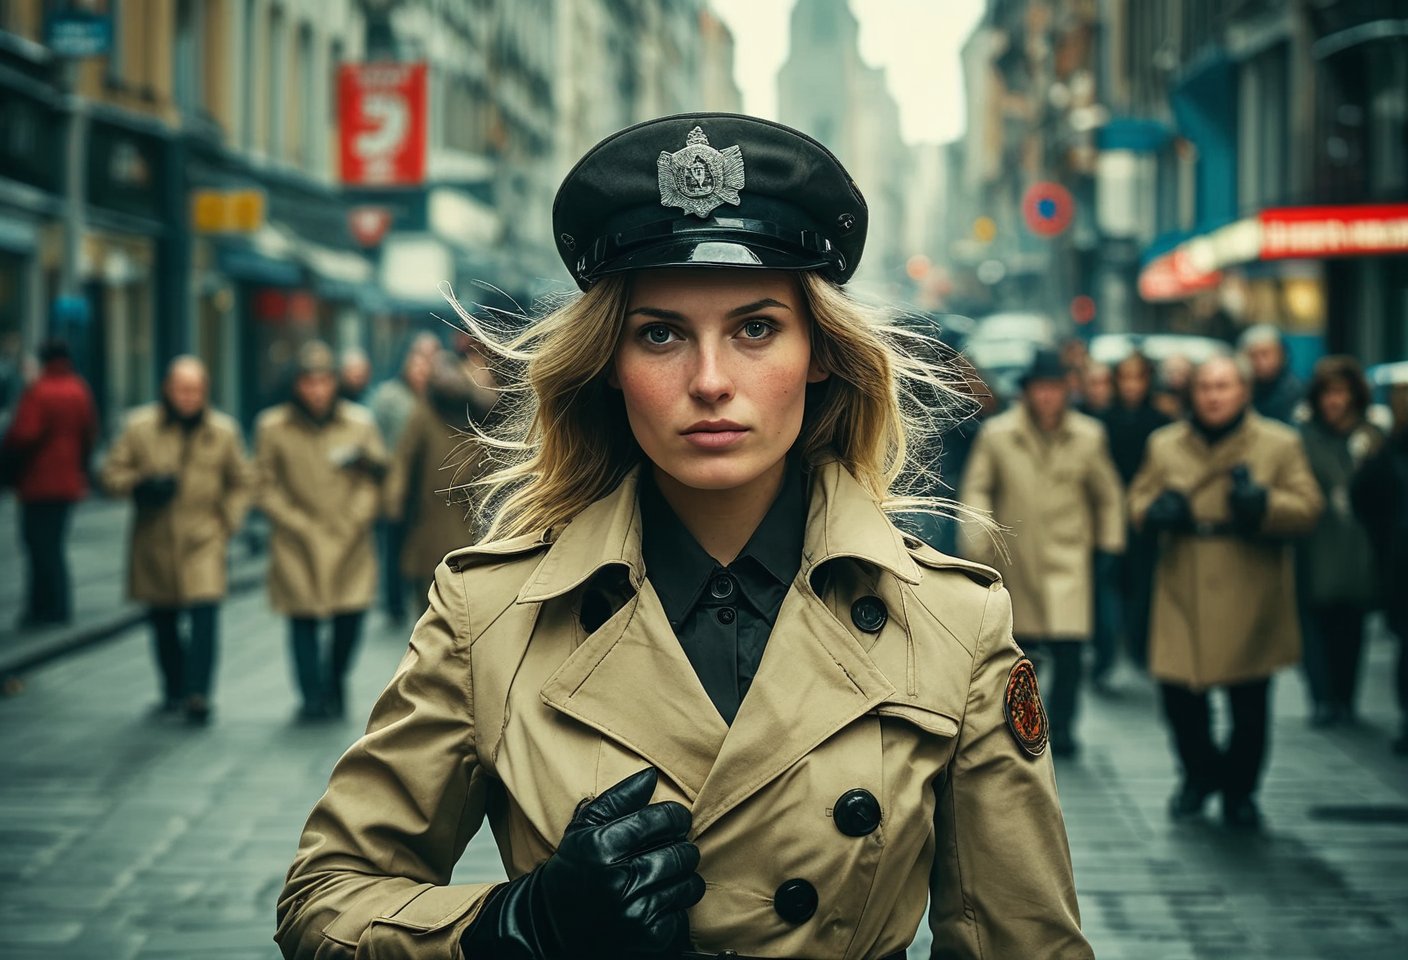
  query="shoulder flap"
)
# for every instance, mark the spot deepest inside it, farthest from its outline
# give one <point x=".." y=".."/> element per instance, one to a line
<point x="497" y="551"/>
<point x="927" y="556"/>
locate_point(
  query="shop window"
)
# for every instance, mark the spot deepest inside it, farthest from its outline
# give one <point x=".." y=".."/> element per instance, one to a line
<point x="304" y="127"/>
<point x="277" y="79"/>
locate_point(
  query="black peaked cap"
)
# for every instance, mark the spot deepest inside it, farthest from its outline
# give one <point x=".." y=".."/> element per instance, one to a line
<point x="661" y="194"/>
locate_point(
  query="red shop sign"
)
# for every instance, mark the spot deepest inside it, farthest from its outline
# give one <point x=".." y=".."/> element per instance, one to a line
<point x="383" y="123"/>
<point x="1334" y="231"/>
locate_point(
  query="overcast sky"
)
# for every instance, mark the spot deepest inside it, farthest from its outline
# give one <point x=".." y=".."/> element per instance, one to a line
<point x="915" y="41"/>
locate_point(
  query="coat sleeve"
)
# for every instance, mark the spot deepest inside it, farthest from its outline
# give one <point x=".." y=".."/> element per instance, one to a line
<point x="1146" y="486"/>
<point x="27" y="427"/>
<point x="978" y="490"/>
<point x="1002" y="884"/>
<point x="372" y="874"/>
<point x="365" y="505"/>
<point x="1106" y="500"/>
<point x="121" y="472"/>
<point x="1293" y="497"/>
<point x="238" y="477"/>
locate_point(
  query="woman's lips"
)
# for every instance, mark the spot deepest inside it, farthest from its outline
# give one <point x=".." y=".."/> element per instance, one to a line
<point x="714" y="439"/>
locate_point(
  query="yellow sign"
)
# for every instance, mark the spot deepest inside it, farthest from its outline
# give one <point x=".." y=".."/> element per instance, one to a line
<point x="227" y="211"/>
<point x="984" y="229"/>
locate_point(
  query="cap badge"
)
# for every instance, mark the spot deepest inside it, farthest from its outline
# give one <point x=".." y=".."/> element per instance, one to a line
<point x="699" y="178"/>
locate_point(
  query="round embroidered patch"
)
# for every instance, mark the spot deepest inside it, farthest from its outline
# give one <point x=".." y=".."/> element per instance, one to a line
<point x="1026" y="717"/>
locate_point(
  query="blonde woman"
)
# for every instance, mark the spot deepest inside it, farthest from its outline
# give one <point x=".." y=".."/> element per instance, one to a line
<point x="708" y="696"/>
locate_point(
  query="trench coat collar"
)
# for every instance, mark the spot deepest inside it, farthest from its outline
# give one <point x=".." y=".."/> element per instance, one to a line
<point x="814" y="679"/>
<point x="1031" y="435"/>
<point x="842" y="521"/>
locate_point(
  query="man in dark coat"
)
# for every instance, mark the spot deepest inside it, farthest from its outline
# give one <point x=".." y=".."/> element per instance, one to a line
<point x="51" y="437"/>
<point x="1380" y="497"/>
<point x="1276" y="391"/>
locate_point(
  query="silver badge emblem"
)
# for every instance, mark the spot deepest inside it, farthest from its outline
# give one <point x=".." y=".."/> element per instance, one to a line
<point x="699" y="178"/>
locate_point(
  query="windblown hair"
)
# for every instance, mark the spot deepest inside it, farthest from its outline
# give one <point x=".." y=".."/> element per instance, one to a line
<point x="563" y="440"/>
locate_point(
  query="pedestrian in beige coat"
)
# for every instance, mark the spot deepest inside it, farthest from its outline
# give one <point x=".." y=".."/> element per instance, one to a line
<point x="710" y="700"/>
<point x="320" y="464"/>
<point x="183" y="465"/>
<point x="1044" y="473"/>
<point x="437" y="461"/>
<point x="1226" y="492"/>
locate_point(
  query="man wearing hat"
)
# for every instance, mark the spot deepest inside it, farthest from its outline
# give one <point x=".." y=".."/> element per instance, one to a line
<point x="1045" y="474"/>
<point x="320" y="463"/>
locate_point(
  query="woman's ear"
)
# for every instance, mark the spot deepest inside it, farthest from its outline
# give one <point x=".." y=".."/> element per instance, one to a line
<point x="816" y="372"/>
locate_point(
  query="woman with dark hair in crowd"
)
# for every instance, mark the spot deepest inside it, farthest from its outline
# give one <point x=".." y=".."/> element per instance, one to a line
<point x="1336" y="566"/>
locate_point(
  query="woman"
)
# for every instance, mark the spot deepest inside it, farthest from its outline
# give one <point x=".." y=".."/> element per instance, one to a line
<point x="320" y="463"/>
<point x="1337" y="585"/>
<point x="706" y="442"/>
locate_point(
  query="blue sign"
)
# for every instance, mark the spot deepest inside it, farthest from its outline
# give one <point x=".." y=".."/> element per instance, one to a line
<point x="78" y="33"/>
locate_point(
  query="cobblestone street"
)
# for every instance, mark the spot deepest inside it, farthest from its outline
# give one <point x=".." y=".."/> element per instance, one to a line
<point x="123" y="837"/>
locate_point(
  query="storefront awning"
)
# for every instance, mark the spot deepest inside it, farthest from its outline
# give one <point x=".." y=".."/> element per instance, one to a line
<point x="1278" y="233"/>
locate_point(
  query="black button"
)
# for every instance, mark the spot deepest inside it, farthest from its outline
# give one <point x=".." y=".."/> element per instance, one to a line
<point x="856" y="813"/>
<point x="721" y="587"/>
<point x="869" y="614"/>
<point x="795" y="901"/>
<point x="726" y="615"/>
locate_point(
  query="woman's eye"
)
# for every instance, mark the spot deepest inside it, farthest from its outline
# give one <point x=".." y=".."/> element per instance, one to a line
<point x="756" y="329"/>
<point x="657" y="334"/>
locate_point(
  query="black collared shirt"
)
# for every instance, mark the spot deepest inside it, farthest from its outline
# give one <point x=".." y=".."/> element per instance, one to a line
<point x="724" y="615"/>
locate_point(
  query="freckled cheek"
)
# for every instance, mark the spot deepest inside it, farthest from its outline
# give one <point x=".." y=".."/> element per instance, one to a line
<point x="649" y="396"/>
<point x="780" y="394"/>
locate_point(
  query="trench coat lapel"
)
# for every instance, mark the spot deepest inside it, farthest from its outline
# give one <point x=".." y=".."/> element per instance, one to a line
<point x="1221" y="457"/>
<point x="815" y="677"/>
<point x="630" y="679"/>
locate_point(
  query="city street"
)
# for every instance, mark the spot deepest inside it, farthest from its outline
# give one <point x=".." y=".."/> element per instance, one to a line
<point x="125" y="837"/>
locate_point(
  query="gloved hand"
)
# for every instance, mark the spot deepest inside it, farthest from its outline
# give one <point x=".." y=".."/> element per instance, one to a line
<point x="361" y="463"/>
<point x="155" y="491"/>
<point x="619" y="884"/>
<point x="1246" y="500"/>
<point x="1169" y="512"/>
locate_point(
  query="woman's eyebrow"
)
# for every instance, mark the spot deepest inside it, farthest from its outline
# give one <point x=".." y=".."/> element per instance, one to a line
<point x="758" y="305"/>
<point x="674" y="316"/>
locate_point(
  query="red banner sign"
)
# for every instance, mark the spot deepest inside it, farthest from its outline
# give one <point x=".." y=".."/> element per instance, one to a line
<point x="383" y="123"/>
<point x="1334" y="231"/>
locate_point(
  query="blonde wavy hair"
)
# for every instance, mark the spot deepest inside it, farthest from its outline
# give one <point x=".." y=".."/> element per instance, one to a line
<point x="562" y="439"/>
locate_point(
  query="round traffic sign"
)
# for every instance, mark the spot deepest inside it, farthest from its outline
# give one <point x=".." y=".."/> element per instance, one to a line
<point x="1048" y="208"/>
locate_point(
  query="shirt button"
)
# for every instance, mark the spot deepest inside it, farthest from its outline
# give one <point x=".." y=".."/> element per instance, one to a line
<point x="726" y="615"/>
<point x="721" y="587"/>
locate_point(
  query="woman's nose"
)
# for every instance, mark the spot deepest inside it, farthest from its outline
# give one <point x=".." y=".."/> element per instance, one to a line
<point x="711" y="381"/>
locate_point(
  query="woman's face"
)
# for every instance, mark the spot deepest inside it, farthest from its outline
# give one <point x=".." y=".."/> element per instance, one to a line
<point x="1336" y="403"/>
<point x="714" y="366"/>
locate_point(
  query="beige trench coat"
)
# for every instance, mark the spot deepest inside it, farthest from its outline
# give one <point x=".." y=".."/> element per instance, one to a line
<point x="1225" y="605"/>
<point x="504" y="705"/>
<point x="1060" y="498"/>
<point x="178" y="553"/>
<point x="321" y="560"/>
<point x="425" y="490"/>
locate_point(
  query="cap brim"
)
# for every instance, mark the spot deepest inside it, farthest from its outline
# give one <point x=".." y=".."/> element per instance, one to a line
<point x="702" y="252"/>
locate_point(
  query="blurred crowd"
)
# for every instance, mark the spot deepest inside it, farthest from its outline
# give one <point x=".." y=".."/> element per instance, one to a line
<point x="1208" y="523"/>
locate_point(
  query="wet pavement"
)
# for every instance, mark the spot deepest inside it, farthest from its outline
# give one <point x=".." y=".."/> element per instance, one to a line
<point x="123" y="837"/>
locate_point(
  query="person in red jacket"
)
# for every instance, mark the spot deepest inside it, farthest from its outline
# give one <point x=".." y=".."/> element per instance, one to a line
<point x="53" y="432"/>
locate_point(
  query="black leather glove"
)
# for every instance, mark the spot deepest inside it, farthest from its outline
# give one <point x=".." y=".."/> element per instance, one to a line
<point x="1246" y="500"/>
<point x="1169" y="512"/>
<point x="619" y="884"/>
<point x="376" y="470"/>
<point x="155" y="492"/>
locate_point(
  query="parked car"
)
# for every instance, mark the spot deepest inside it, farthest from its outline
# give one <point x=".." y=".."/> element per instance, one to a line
<point x="1036" y="329"/>
<point x="1000" y="363"/>
<point x="1111" y="348"/>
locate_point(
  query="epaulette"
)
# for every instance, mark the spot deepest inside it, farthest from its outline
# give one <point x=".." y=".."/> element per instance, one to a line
<point x="929" y="557"/>
<point x="497" y="551"/>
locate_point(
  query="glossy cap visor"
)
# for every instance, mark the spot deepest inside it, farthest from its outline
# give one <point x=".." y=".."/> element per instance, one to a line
<point x="725" y="243"/>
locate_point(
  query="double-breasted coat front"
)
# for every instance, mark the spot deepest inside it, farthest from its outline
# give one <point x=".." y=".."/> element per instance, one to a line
<point x="178" y="551"/>
<point x="1224" y="602"/>
<point x="506" y="705"/>
<point x="318" y="483"/>
<point x="1059" y="498"/>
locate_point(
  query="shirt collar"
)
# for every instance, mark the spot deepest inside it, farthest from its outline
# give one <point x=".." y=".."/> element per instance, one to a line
<point x="843" y="520"/>
<point x="679" y="567"/>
